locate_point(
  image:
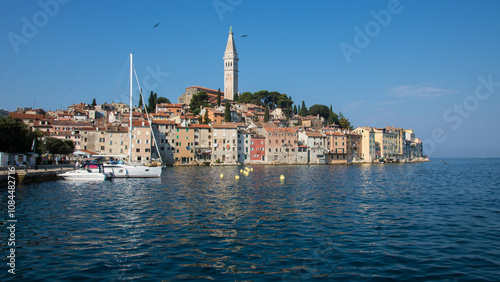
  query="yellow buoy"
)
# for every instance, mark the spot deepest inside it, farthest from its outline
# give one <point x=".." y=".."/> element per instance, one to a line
<point x="241" y="170"/>
<point x="236" y="177"/>
<point x="221" y="175"/>
<point x="282" y="177"/>
<point x="251" y="169"/>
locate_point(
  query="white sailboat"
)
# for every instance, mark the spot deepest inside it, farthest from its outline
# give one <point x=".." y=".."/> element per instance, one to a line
<point x="131" y="169"/>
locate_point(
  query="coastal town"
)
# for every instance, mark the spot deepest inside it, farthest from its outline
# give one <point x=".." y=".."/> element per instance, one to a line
<point x="223" y="129"/>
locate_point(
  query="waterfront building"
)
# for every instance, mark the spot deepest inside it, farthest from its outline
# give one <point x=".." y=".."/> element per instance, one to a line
<point x="224" y="146"/>
<point x="184" y="145"/>
<point x="281" y="144"/>
<point x="141" y="141"/>
<point x="244" y="150"/>
<point x="302" y="154"/>
<point x="353" y="146"/>
<point x="202" y="143"/>
<point x="257" y="149"/>
<point x="230" y="67"/>
<point x="116" y="141"/>
<point x="337" y="147"/>
<point x="399" y="141"/>
<point x="93" y="139"/>
<point x="165" y="134"/>
<point x="387" y="140"/>
<point x="367" y="151"/>
<point x="317" y="146"/>
<point x="412" y="146"/>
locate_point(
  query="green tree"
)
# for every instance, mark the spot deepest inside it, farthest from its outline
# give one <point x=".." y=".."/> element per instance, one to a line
<point x="303" y="109"/>
<point x="140" y="100"/>
<point x="162" y="100"/>
<point x="330" y="115"/>
<point x="235" y="98"/>
<point x="295" y="111"/>
<point x="344" y="122"/>
<point x="15" y="136"/>
<point x="152" y="102"/>
<point x="93" y="103"/>
<point x="266" y="114"/>
<point x="218" y="98"/>
<point x="58" y="146"/>
<point x="206" y="120"/>
<point x="227" y="112"/>
<point x="320" y="110"/>
<point x="245" y="97"/>
<point x="197" y="101"/>
<point x="333" y="118"/>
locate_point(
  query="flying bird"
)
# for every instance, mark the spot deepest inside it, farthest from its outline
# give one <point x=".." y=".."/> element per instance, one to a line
<point x="156" y="25"/>
<point x="244" y="35"/>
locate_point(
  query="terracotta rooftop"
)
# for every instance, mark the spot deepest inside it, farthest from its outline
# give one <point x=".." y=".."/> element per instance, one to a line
<point x="314" y="134"/>
<point x="225" y="125"/>
<point x="26" y="116"/>
<point x="163" y="122"/>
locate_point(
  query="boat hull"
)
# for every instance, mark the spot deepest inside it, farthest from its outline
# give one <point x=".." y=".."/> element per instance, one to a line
<point x="84" y="175"/>
<point x="132" y="171"/>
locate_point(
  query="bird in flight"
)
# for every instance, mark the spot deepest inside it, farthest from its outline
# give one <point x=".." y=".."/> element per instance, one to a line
<point x="244" y="35"/>
<point x="156" y="25"/>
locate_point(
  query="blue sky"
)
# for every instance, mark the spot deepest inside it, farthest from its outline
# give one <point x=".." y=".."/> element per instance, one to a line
<point x="420" y="67"/>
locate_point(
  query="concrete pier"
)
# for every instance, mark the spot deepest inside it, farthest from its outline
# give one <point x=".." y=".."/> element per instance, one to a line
<point x="24" y="176"/>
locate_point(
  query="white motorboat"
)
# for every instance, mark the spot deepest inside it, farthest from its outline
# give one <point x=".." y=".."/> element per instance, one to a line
<point x="87" y="173"/>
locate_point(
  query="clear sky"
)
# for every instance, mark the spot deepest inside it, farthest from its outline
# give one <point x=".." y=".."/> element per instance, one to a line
<point x="433" y="66"/>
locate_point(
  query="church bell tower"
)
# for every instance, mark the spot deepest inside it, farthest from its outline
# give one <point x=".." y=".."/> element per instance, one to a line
<point x="230" y="68"/>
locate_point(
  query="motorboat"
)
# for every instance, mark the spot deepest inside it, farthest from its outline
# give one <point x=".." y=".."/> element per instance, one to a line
<point x="91" y="172"/>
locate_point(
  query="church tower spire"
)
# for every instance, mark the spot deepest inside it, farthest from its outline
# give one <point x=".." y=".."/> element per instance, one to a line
<point x="230" y="68"/>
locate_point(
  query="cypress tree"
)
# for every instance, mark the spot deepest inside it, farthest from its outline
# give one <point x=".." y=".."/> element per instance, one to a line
<point x="218" y="98"/>
<point x="303" y="109"/>
<point x="266" y="114"/>
<point x="236" y="97"/>
<point x="330" y="116"/>
<point x="227" y="112"/>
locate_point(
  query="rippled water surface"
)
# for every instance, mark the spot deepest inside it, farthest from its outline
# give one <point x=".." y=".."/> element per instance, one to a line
<point x="422" y="221"/>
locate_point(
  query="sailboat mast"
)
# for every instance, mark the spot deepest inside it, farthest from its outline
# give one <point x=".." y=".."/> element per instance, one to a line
<point x="130" y="125"/>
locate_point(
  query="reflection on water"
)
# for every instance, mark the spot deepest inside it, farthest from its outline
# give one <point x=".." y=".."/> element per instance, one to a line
<point x="421" y="221"/>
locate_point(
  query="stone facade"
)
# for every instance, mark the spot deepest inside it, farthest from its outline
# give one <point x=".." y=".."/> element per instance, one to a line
<point x="224" y="143"/>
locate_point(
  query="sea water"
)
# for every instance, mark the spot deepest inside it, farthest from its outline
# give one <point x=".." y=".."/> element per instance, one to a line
<point x="431" y="221"/>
